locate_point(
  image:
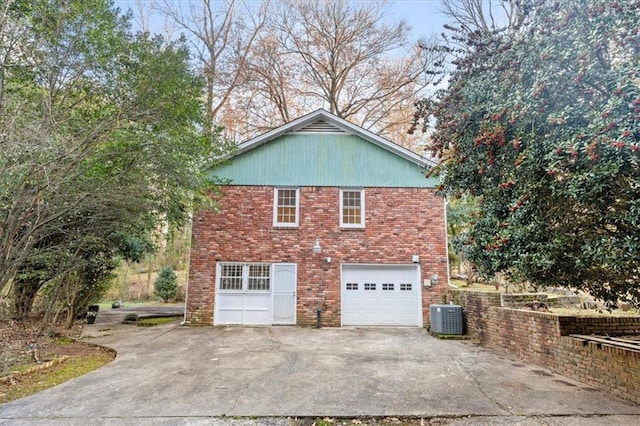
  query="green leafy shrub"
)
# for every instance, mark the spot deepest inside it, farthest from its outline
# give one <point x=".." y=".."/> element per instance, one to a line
<point x="166" y="285"/>
<point x="539" y="125"/>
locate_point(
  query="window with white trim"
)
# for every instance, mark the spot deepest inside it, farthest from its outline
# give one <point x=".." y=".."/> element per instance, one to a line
<point x="259" y="277"/>
<point x="285" y="207"/>
<point x="245" y="277"/>
<point x="231" y="277"/>
<point x="352" y="208"/>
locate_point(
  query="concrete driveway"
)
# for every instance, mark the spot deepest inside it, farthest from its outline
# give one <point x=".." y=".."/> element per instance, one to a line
<point x="171" y="374"/>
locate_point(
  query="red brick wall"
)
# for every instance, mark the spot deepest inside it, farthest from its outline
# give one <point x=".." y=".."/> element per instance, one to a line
<point x="612" y="369"/>
<point x="528" y="334"/>
<point x="611" y="326"/>
<point x="475" y="304"/>
<point x="400" y="222"/>
<point x="541" y="338"/>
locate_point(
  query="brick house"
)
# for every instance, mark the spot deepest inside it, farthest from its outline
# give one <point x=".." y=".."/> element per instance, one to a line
<point x="322" y="221"/>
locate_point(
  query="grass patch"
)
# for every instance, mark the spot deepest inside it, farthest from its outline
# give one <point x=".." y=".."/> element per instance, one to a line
<point x="450" y="336"/>
<point x="44" y="379"/>
<point x="64" y="340"/>
<point x="142" y="304"/>
<point x="150" y="322"/>
<point x="20" y="368"/>
<point x="458" y="283"/>
<point x="490" y="288"/>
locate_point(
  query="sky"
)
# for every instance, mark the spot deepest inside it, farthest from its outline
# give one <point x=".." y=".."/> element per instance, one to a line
<point x="423" y="16"/>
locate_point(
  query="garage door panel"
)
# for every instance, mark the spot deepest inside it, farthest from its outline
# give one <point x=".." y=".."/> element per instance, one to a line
<point x="389" y="318"/>
<point x="257" y="308"/>
<point x="238" y="308"/>
<point x="229" y="308"/>
<point x="257" y="317"/>
<point x="381" y="295"/>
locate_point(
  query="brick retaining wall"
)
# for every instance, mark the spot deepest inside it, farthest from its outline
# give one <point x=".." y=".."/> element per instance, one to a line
<point x="542" y="338"/>
<point x="611" y="326"/>
<point x="475" y="304"/>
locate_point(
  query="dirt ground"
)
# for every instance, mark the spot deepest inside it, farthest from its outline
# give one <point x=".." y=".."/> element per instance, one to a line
<point x="23" y="345"/>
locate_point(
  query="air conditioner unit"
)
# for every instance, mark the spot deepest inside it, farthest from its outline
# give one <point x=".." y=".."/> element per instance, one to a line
<point x="446" y="319"/>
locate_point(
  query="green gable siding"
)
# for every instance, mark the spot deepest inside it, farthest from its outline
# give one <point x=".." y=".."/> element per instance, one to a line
<point x="322" y="160"/>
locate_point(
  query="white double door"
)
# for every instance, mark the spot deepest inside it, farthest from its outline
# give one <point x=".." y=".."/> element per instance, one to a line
<point x="275" y="306"/>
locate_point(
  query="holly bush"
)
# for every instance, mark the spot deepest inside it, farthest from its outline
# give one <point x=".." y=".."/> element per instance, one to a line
<point x="541" y="124"/>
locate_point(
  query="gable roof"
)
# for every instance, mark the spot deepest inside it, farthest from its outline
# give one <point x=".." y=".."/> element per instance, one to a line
<point x="322" y="121"/>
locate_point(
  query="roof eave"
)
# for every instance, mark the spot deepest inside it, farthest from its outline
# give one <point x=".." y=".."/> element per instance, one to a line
<point x="340" y="123"/>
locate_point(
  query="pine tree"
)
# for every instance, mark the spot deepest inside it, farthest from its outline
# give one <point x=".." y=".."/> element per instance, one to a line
<point x="166" y="285"/>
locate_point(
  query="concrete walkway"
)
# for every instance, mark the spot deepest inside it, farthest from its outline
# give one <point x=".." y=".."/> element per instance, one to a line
<point x="171" y="374"/>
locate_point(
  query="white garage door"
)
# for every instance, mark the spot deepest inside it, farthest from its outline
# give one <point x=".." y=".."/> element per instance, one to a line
<point x="381" y="295"/>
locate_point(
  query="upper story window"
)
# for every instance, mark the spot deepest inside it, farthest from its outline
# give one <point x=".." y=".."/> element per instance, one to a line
<point x="352" y="208"/>
<point x="285" y="207"/>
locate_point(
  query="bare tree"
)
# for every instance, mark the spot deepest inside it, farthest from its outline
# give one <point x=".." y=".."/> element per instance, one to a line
<point x="338" y="55"/>
<point x="268" y="66"/>
<point x="142" y="15"/>
<point x="350" y="60"/>
<point x="484" y="16"/>
<point x="223" y="33"/>
<point x="272" y="72"/>
<point x="271" y="94"/>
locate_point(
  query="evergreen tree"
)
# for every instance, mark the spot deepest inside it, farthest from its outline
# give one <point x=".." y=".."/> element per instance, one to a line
<point x="166" y="285"/>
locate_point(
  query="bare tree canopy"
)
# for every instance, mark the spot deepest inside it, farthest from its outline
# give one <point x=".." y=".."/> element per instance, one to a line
<point x="269" y="65"/>
<point x="485" y="16"/>
<point x="223" y="35"/>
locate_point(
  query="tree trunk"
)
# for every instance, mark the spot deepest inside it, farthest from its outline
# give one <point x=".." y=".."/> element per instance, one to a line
<point x="24" y="295"/>
<point x="71" y="315"/>
<point x="50" y="306"/>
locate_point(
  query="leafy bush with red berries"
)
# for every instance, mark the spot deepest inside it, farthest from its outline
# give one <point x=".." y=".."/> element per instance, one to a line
<point x="542" y="124"/>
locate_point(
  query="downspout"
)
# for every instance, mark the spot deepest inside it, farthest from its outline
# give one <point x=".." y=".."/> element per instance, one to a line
<point x="319" y="306"/>
<point x="186" y="291"/>
<point x="446" y="243"/>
